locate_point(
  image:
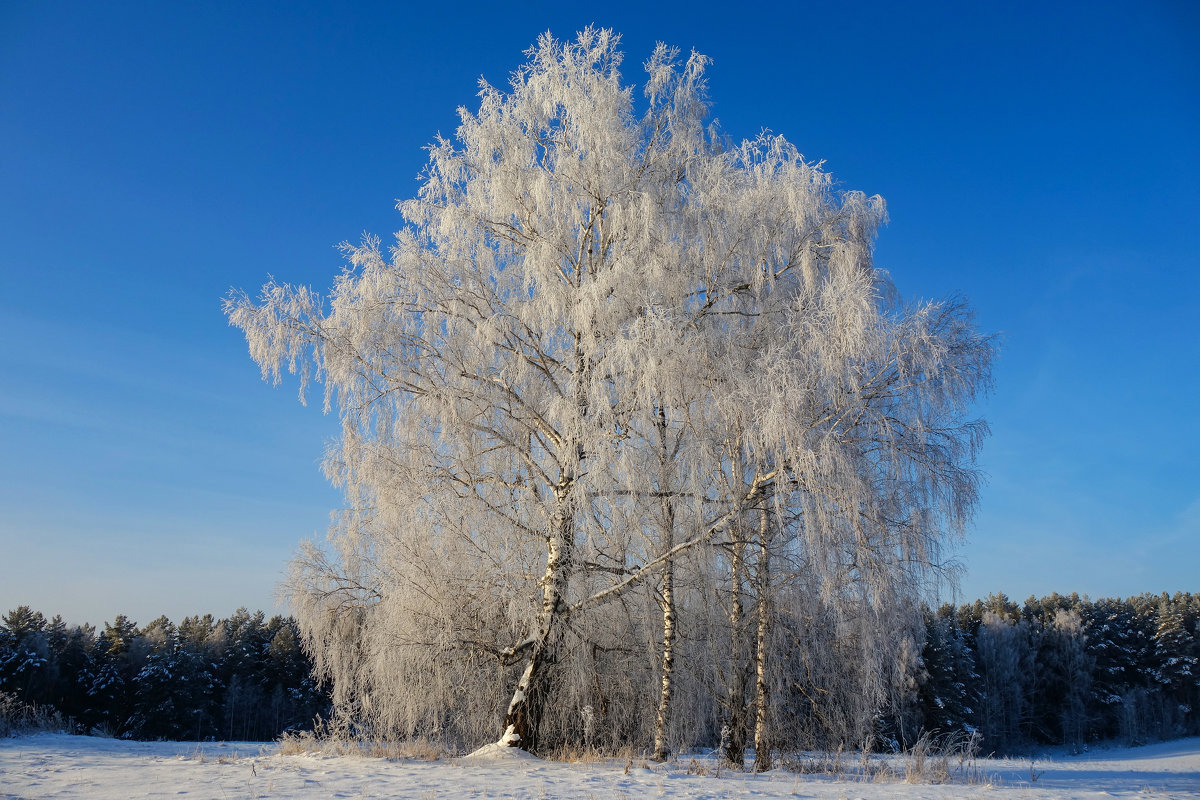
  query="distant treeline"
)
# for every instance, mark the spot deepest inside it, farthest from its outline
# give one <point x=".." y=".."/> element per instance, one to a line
<point x="1058" y="670"/>
<point x="241" y="678"/>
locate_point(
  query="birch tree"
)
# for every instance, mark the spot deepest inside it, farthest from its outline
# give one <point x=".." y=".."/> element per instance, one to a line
<point x="599" y="317"/>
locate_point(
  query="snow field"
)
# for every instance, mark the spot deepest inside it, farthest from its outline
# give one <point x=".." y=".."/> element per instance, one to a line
<point x="61" y="766"/>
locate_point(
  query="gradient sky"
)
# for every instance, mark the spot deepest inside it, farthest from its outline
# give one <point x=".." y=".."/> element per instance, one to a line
<point x="1039" y="158"/>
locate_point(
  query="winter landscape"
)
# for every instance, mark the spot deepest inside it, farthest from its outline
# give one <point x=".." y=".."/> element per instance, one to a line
<point x="653" y="472"/>
<point x="56" y="766"/>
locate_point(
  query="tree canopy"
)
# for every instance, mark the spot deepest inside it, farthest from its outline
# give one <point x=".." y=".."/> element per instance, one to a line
<point x="611" y="355"/>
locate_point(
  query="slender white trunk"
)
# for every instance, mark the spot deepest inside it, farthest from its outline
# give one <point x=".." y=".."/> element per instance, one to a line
<point x="661" y="751"/>
<point x="662" y="717"/>
<point x="523" y="718"/>
<point x="762" y="743"/>
<point x="739" y="667"/>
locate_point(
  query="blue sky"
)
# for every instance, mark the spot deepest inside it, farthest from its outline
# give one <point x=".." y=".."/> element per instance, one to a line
<point x="1040" y="159"/>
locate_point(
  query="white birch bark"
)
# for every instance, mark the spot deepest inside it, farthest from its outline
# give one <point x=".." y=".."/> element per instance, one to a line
<point x="762" y="700"/>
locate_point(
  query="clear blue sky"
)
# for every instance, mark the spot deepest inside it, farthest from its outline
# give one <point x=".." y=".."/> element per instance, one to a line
<point x="1039" y="158"/>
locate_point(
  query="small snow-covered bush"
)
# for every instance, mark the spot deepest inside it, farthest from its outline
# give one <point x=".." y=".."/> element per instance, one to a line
<point x="18" y="717"/>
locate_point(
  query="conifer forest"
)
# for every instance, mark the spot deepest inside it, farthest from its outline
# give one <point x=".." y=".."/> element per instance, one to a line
<point x="241" y="678"/>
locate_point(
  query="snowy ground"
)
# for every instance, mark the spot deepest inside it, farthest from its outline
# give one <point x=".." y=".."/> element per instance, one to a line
<point x="60" y="766"/>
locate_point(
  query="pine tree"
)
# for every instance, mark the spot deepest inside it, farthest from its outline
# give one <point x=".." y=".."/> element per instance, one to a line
<point x="1175" y="666"/>
<point x="75" y="650"/>
<point x="112" y="689"/>
<point x="243" y="671"/>
<point x="27" y="664"/>
<point x="156" y="713"/>
<point x="1112" y="643"/>
<point x="291" y="679"/>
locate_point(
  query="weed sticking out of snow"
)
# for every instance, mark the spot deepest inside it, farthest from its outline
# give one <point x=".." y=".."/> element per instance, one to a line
<point x="942" y="759"/>
<point x="829" y="764"/>
<point x="334" y="739"/>
<point x="581" y="755"/>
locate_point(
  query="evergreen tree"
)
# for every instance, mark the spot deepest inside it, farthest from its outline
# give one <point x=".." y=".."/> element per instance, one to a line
<point x="1174" y="666"/>
<point x="197" y="671"/>
<point x="155" y="713"/>
<point x="950" y="695"/>
<point x="243" y="669"/>
<point x="1142" y="627"/>
<point x="74" y="651"/>
<point x="1141" y="710"/>
<point x="195" y="631"/>
<point x="1112" y="644"/>
<point x="27" y="665"/>
<point x="295" y="698"/>
<point x="112" y="689"/>
<point x="970" y="617"/>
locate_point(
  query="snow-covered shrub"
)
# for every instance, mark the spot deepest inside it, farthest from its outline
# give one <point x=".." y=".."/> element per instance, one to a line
<point x="18" y="718"/>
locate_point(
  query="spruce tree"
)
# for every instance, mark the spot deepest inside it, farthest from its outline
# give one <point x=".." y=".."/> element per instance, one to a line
<point x="949" y="695"/>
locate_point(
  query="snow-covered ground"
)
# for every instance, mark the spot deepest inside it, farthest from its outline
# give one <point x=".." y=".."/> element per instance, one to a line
<point x="60" y="766"/>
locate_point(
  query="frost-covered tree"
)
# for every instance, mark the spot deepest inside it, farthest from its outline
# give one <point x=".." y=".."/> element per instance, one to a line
<point x="604" y="341"/>
<point x="1005" y="658"/>
<point x="1065" y="678"/>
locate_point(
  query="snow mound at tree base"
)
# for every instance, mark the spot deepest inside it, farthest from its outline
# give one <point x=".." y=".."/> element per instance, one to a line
<point x="497" y="751"/>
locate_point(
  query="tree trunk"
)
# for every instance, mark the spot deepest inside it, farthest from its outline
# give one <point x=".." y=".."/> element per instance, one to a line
<point x="661" y="751"/>
<point x="523" y="718"/>
<point x="735" y="745"/>
<point x="762" y="745"/>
